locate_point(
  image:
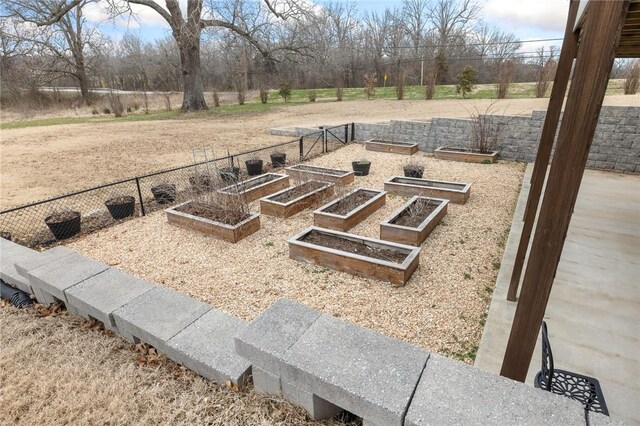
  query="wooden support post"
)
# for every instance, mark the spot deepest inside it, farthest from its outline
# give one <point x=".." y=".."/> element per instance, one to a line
<point x="600" y="37"/>
<point x="561" y="80"/>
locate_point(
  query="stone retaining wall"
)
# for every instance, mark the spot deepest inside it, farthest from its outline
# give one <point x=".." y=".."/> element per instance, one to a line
<point x="616" y="145"/>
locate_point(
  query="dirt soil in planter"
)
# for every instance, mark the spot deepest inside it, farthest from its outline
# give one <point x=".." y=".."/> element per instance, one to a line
<point x="349" y="203"/>
<point x="247" y="186"/>
<point x="416" y="213"/>
<point x="298" y="191"/>
<point x="354" y="247"/>
<point x="116" y="201"/>
<point x="229" y="216"/>
<point x="62" y="217"/>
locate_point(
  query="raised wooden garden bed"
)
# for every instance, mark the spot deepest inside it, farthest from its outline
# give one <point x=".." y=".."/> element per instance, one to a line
<point x="465" y="155"/>
<point x="414" y="221"/>
<point x="366" y="257"/>
<point x="290" y="201"/>
<point x="455" y="192"/>
<point x="257" y="187"/>
<point x="346" y="212"/>
<point x="231" y="233"/>
<point x="303" y="172"/>
<point x="406" y="148"/>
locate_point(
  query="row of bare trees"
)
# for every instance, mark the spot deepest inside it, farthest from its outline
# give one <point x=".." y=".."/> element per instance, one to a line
<point x="257" y="44"/>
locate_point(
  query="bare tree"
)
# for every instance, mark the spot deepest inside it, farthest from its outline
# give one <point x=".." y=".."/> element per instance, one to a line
<point x="632" y="77"/>
<point x="505" y="76"/>
<point x="70" y="43"/>
<point x="546" y="70"/>
<point x="186" y="27"/>
<point x="450" y="19"/>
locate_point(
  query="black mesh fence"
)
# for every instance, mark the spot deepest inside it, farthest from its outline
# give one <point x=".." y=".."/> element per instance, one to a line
<point x="44" y="222"/>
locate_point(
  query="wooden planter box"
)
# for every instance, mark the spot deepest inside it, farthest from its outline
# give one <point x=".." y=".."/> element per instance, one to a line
<point x="405" y="148"/>
<point x="271" y="207"/>
<point x="414" y="236"/>
<point x="356" y="264"/>
<point x="455" y="192"/>
<point x="302" y="172"/>
<point x="464" y="155"/>
<point x="325" y="219"/>
<point x="222" y="231"/>
<point x="257" y="187"/>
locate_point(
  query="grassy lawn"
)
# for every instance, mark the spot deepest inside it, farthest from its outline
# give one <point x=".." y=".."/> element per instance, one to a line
<point x="298" y="97"/>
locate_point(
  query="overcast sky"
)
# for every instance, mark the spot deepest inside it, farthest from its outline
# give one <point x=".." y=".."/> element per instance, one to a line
<point x="527" y="19"/>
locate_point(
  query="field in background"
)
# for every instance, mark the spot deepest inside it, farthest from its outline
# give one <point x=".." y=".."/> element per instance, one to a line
<point x="70" y="111"/>
<point x="41" y="162"/>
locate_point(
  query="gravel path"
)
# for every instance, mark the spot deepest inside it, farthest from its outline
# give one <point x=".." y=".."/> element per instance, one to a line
<point x="442" y="308"/>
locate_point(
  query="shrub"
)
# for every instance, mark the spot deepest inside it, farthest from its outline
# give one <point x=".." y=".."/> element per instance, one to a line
<point x="632" y="78"/>
<point x="167" y="101"/>
<point x="400" y="85"/>
<point x="129" y="110"/>
<point x="312" y="95"/>
<point x="106" y="110"/>
<point x="485" y="136"/>
<point x="264" y="95"/>
<point x="115" y="103"/>
<point x="136" y="106"/>
<point x="94" y="111"/>
<point x="505" y="75"/>
<point x="432" y="78"/>
<point x="466" y="80"/>
<point x="285" y="90"/>
<point x="370" y="82"/>
<point x="545" y="75"/>
<point x="339" y="93"/>
<point x="216" y="98"/>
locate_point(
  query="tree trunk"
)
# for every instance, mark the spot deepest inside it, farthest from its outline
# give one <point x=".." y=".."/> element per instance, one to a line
<point x="193" y="100"/>
<point x="83" y="82"/>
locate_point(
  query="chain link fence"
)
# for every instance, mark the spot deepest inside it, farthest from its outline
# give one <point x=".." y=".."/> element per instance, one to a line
<point x="42" y="223"/>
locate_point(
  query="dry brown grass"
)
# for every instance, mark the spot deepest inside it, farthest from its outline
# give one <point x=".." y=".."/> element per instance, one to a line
<point x="59" y="370"/>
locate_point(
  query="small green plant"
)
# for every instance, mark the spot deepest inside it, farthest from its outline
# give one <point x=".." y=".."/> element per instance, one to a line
<point x="486" y="162"/>
<point x="466" y="81"/>
<point x="270" y="244"/>
<point x="285" y="90"/>
<point x="496" y="266"/>
<point x="467" y="276"/>
<point x="106" y="110"/>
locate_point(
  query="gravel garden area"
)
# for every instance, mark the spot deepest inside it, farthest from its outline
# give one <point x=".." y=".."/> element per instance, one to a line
<point x="442" y="307"/>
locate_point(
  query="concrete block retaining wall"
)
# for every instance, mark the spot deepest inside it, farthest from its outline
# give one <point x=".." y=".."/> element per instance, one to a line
<point x="616" y="145"/>
<point x="314" y="360"/>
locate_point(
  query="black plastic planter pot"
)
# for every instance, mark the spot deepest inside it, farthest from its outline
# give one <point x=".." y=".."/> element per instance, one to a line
<point x="121" y="207"/>
<point x="414" y="173"/>
<point x="64" y="225"/>
<point x="278" y="160"/>
<point x="230" y="175"/>
<point x="361" y="168"/>
<point x="254" y="167"/>
<point x="164" y="193"/>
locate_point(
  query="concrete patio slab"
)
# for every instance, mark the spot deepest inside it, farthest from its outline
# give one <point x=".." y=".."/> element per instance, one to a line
<point x="207" y="347"/>
<point x="100" y="295"/>
<point x="593" y="312"/>
<point x="157" y="316"/>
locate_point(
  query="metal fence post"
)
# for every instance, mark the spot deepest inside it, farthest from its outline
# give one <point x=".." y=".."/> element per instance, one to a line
<point x="140" y="196"/>
<point x="301" y="148"/>
<point x="353" y="132"/>
<point x="346" y="133"/>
